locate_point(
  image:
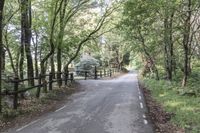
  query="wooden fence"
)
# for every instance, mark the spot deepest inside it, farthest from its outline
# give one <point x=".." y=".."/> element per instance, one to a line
<point x="46" y="82"/>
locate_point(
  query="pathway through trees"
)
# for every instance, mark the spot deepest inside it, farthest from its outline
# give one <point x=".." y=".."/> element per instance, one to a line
<point x="106" y="106"/>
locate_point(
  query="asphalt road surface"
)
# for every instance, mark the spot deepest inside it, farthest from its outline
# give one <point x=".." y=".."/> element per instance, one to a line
<point x="106" y="106"/>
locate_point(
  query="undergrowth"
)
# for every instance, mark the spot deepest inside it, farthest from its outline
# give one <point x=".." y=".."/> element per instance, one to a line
<point x="183" y="102"/>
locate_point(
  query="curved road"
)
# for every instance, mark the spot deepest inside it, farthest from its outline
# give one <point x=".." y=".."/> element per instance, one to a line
<point x="106" y="106"/>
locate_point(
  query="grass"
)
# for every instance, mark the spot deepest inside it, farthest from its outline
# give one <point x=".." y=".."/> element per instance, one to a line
<point x="172" y="96"/>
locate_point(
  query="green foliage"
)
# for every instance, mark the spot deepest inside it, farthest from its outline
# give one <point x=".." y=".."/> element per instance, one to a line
<point x="185" y="107"/>
<point x="156" y="31"/>
<point x="87" y="63"/>
<point x="9" y="113"/>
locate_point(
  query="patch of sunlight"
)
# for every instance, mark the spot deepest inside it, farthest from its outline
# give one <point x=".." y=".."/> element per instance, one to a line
<point x="173" y="103"/>
<point x="162" y="95"/>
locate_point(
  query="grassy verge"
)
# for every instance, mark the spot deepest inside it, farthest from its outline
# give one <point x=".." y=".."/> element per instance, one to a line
<point x="183" y="102"/>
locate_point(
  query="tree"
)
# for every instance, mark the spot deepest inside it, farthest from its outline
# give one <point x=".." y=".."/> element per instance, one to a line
<point x="166" y="26"/>
<point x="168" y="16"/>
<point x="87" y="63"/>
<point x="139" y="28"/>
<point x="89" y="35"/>
<point x="68" y="10"/>
<point x="26" y="20"/>
<point x="56" y="9"/>
<point x="190" y="29"/>
<point x="1" y="46"/>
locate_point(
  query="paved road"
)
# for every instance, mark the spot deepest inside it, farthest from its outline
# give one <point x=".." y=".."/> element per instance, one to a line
<point x="106" y="106"/>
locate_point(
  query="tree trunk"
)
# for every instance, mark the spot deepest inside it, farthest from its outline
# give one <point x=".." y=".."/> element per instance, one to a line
<point x="148" y="56"/>
<point x="36" y="66"/>
<point x="186" y="37"/>
<point x="52" y="66"/>
<point x="59" y="65"/>
<point x="185" y="77"/>
<point x="17" y="62"/>
<point x="6" y="45"/>
<point x="52" y="47"/>
<point x="21" y="60"/>
<point x="27" y="41"/>
<point x="1" y="47"/>
<point x="36" y="53"/>
<point x="60" y="42"/>
<point x="3" y="59"/>
<point x="168" y="44"/>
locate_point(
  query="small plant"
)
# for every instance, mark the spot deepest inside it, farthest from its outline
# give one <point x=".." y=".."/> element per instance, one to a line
<point x="10" y="113"/>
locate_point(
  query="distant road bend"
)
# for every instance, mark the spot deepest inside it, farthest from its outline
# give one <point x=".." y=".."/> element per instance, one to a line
<point x="106" y="106"/>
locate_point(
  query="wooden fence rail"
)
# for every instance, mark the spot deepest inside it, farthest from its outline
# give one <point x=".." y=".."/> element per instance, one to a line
<point x="46" y="82"/>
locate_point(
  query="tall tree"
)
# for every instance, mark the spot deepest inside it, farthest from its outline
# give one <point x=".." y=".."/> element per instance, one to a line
<point x="55" y="11"/>
<point x="168" y="14"/>
<point x="186" y="40"/>
<point x="90" y="35"/>
<point x="68" y="10"/>
<point x="35" y="43"/>
<point x="26" y="20"/>
<point x="60" y="40"/>
<point x="1" y="47"/>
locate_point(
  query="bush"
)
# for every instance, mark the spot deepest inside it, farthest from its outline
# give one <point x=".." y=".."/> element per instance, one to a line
<point x="10" y="113"/>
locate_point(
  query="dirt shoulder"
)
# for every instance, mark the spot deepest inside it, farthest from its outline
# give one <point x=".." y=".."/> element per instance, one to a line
<point x="32" y="108"/>
<point x="159" y="117"/>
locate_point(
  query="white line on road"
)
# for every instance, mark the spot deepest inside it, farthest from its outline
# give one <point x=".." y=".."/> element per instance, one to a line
<point x="60" y="109"/>
<point x="140" y="97"/>
<point x="141" y="105"/>
<point x="144" y="116"/>
<point x="27" y="125"/>
<point x="145" y="122"/>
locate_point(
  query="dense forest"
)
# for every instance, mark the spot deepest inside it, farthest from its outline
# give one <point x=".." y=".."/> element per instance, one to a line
<point x="159" y="38"/>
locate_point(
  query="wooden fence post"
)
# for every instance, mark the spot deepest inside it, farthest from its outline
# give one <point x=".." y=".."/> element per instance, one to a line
<point x="39" y="87"/>
<point x="16" y="87"/>
<point x="44" y="82"/>
<point x="85" y="75"/>
<point x="95" y="72"/>
<point x="110" y="73"/>
<point x="59" y="79"/>
<point x="66" y="77"/>
<point x="50" y="81"/>
<point x="71" y="77"/>
<point x="54" y="75"/>
<point x="104" y="73"/>
<point x="100" y="74"/>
